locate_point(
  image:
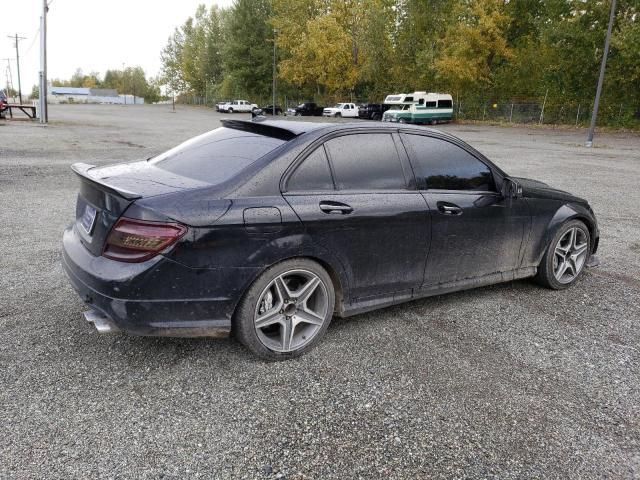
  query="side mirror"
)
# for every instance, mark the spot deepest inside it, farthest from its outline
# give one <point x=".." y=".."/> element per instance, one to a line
<point x="511" y="189"/>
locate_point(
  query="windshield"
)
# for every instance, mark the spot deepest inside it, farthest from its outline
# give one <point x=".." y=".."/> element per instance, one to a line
<point x="216" y="156"/>
<point x="399" y="107"/>
<point x="339" y="105"/>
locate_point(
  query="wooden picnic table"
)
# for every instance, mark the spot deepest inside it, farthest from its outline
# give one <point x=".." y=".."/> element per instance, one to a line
<point x="28" y="110"/>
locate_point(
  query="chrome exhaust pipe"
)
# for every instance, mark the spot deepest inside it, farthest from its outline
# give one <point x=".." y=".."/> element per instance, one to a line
<point x="102" y="323"/>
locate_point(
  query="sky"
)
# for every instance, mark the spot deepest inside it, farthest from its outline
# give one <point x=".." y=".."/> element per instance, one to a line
<point x="89" y="34"/>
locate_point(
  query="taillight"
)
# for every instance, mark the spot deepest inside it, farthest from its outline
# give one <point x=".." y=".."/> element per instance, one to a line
<point x="137" y="240"/>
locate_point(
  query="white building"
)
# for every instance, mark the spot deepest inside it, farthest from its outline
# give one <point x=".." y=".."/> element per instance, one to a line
<point x="90" y="95"/>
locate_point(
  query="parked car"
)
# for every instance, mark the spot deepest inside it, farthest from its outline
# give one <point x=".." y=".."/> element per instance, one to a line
<point x="4" y="103"/>
<point x="221" y="104"/>
<point x="238" y="106"/>
<point x="269" y="229"/>
<point x="268" y="110"/>
<point x="372" y="111"/>
<point x="341" y="110"/>
<point x="309" y="109"/>
<point x="290" y="111"/>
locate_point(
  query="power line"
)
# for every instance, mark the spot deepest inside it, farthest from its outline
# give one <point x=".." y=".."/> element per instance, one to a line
<point x="36" y="35"/>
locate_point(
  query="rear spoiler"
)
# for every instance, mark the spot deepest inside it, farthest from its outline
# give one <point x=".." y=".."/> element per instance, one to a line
<point x="257" y="126"/>
<point x="83" y="171"/>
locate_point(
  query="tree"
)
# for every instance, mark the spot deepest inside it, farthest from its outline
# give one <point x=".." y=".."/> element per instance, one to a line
<point x="474" y="45"/>
<point x="248" y="47"/>
<point x="192" y="58"/>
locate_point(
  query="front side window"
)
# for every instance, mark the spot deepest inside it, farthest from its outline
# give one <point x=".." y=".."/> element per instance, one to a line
<point x="430" y="104"/>
<point x="366" y="162"/>
<point x="441" y="165"/>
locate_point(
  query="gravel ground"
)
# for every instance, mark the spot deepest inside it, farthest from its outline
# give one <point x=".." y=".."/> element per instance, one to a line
<point x="509" y="381"/>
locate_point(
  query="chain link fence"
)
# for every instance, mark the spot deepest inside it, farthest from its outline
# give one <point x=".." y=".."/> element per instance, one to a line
<point x="542" y="113"/>
<point x="548" y="113"/>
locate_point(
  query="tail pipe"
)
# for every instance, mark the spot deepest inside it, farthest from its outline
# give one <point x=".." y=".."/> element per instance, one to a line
<point x="102" y="323"/>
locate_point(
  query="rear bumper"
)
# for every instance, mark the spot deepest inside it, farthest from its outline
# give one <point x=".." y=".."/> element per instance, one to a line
<point x="158" y="298"/>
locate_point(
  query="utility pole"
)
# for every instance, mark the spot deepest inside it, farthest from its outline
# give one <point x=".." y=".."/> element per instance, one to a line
<point x="17" y="38"/>
<point x="603" y="66"/>
<point x="275" y="32"/>
<point x="44" y="108"/>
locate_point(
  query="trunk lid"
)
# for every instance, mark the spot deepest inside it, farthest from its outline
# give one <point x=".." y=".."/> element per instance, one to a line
<point x="107" y="192"/>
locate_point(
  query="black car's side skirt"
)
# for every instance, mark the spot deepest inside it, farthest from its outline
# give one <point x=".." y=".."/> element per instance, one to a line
<point x="363" y="305"/>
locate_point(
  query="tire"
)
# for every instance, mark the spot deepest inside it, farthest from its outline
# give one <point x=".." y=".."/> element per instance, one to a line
<point x="338" y="115"/>
<point x="402" y="120"/>
<point x="376" y="116"/>
<point x="230" y="110"/>
<point x="264" y="302"/>
<point x="562" y="252"/>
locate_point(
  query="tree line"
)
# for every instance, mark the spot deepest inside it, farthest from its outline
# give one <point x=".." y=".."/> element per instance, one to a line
<point x="495" y="50"/>
<point x="129" y="81"/>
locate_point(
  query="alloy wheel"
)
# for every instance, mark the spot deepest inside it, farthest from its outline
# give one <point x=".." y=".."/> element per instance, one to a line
<point x="291" y="310"/>
<point x="570" y="255"/>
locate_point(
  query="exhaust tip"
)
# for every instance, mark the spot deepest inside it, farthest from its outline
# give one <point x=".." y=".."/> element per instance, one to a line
<point x="102" y="323"/>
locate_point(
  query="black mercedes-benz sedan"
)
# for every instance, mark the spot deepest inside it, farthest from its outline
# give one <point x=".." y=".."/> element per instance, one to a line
<point x="268" y="229"/>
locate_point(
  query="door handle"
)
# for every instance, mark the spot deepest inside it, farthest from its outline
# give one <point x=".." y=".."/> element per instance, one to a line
<point x="449" y="208"/>
<point x="336" y="207"/>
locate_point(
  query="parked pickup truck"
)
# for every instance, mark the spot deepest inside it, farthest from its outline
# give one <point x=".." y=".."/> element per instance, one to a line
<point x="341" y="110"/>
<point x="309" y="109"/>
<point x="238" y="106"/>
<point x="372" y="111"/>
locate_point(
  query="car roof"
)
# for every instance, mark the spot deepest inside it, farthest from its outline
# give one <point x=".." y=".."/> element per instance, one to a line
<point x="289" y="129"/>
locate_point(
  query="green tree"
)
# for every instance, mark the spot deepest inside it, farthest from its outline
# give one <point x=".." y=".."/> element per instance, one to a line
<point x="474" y="46"/>
<point x="248" y="47"/>
<point x="192" y="58"/>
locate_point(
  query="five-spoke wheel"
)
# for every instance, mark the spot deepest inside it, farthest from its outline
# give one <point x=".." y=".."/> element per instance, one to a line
<point x="566" y="256"/>
<point x="291" y="310"/>
<point x="570" y="255"/>
<point x="286" y="310"/>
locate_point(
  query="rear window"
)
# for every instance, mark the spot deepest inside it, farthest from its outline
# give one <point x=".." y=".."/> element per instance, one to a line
<point x="216" y="156"/>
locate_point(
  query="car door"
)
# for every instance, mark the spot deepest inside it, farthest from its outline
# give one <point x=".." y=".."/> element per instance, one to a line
<point x="475" y="230"/>
<point x="353" y="195"/>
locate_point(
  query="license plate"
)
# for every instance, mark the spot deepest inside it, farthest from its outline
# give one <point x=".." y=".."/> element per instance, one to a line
<point x="88" y="218"/>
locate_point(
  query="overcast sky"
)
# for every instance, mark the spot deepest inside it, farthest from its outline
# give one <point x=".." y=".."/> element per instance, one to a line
<point x="89" y="34"/>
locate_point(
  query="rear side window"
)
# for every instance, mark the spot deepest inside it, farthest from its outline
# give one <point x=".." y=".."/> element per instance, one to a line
<point x="365" y="162"/>
<point x="441" y="165"/>
<point x="313" y="174"/>
<point x="445" y="104"/>
<point x="216" y="156"/>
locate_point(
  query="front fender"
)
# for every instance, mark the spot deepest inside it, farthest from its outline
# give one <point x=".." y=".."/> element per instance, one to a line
<point x="563" y="214"/>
